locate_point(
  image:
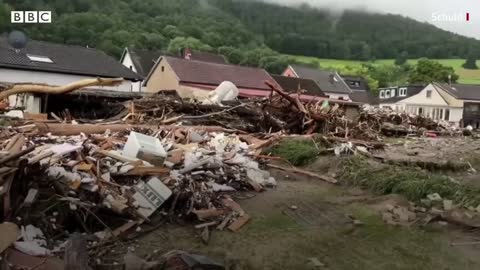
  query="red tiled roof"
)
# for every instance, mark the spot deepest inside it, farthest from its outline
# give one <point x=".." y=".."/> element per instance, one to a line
<point x="197" y="72"/>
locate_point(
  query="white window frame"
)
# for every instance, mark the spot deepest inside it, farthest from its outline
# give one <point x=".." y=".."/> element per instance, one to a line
<point x="39" y="58"/>
<point x="387" y="93"/>
<point x="402" y="92"/>
<point x="392" y="92"/>
<point x="382" y="93"/>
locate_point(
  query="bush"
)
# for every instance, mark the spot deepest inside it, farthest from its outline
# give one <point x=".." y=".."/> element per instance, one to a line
<point x="296" y="151"/>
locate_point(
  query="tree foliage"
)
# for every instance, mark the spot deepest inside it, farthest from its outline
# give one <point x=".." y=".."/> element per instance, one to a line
<point x="427" y="71"/>
<point x="401" y="58"/>
<point x="470" y="62"/>
<point x="112" y="24"/>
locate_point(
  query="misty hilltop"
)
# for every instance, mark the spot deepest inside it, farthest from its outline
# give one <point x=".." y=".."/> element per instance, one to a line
<point x="233" y="27"/>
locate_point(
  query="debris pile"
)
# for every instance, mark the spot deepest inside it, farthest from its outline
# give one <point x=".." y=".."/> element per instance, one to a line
<point x="379" y="121"/>
<point x="107" y="184"/>
<point x="280" y="112"/>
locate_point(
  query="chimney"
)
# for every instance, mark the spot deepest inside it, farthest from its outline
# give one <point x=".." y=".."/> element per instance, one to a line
<point x="187" y="54"/>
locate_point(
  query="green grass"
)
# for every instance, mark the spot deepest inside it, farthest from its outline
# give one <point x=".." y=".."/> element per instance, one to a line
<point x="413" y="183"/>
<point x="297" y="151"/>
<point x="466" y="76"/>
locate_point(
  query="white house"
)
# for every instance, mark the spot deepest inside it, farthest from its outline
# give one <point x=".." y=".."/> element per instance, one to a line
<point x="430" y="101"/>
<point x="464" y="95"/>
<point x="57" y="64"/>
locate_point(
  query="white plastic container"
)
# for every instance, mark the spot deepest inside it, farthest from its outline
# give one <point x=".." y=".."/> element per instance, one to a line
<point x="139" y="145"/>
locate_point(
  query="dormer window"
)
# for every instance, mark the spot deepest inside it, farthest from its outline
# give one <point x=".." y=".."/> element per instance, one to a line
<point x="402" y="92"/>
<point x="392" y="93"/>
<point x="382" y="93"/>
<point x="387" y="93"/>
<point x="39" y="58"/>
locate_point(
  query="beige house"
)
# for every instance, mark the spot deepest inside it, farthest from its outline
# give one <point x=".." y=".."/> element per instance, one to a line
<point x="431" y="101"/>
<point x="195" y="79"/>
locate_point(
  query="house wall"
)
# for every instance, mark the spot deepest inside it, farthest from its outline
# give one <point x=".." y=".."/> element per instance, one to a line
<point x="162" y="80"/>
<point x="26" y="76"/>
<point x="31" y="103"/>
<point x="289" y="72"/>
<point x="338" y="96"/>
<point x="422" y="99"/>
<point x="127" y="61"/>
<point x="186" y="91"/>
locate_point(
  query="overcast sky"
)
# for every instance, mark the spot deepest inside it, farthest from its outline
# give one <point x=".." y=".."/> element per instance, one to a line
<point x="420" y="10"/>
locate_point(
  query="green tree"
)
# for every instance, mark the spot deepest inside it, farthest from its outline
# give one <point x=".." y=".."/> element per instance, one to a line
<point x="172" y="32"/>
<point x="275" y="64"/>
<point x="427" y="71"/>
<point x="470" y="62"/>
<point x="401" y="58"/>
<point x="233" y="55"/>
<point x="179" y="43"/>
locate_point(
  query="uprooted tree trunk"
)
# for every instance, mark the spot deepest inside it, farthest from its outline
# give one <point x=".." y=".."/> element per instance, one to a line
<point x="21" y="88"/>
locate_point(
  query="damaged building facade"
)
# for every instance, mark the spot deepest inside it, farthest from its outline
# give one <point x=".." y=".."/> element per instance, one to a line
<point x="57" y="64"/>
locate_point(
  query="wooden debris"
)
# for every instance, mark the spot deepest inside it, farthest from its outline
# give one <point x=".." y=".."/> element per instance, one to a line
<point x="307" y="173"/>
<point x="236" y="225"/>
<point x="207" y="224"/>
<point x="48" y="89"/>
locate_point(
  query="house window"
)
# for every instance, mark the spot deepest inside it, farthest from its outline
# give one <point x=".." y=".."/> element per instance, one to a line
<point x="420" y="111"/>
<point x="402" y="91"/>
<point x="447" y="114"/>
<point x="163" y="68"/>
<point x="387" y="93"/>
<point x="392" y="92"/>
<point x="429" y="93"/>
<point x="39" y="58"/>
<point x="441" y="114"/>
<point x="382" y="93"/>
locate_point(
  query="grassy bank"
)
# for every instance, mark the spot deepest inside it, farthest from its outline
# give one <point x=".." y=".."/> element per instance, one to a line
<point x="467" y="76"/>
<point x="412" y="182"/>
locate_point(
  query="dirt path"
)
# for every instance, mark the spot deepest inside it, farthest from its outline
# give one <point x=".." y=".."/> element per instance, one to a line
<point x="279" y="237"/>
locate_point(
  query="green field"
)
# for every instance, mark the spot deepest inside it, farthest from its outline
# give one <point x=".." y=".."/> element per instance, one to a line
<point x="466" y="76"/>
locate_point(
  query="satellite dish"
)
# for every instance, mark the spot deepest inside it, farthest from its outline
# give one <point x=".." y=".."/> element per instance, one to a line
<point x="18" y="40"/>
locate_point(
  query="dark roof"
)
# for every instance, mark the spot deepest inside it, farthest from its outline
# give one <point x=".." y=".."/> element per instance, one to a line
<point x="66" y="59"/>
<point x="144" y="60"/>
<point x="362" y="96"/>
<point x="411" y="91"/>
<point x="292" y="84"/>
<point x="192" y="71"/>
<point x="462" y="91"/>
<point x="356" y="82"/>
<point x="329" y="81"/>
<point x="208" y="57"/>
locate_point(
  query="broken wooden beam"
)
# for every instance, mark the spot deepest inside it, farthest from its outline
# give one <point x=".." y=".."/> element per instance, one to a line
<point x="325" y="178"/>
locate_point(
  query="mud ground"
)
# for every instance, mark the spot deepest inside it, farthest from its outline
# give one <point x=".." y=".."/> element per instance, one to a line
<point x="279" y="237"/>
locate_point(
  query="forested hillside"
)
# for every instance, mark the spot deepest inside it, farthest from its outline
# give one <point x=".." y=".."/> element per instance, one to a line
<point x="247" y="32"/>
<point x="351" y="35"/>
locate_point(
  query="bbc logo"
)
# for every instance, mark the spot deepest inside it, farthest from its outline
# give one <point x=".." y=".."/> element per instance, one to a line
<point x="31" y="17"/>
